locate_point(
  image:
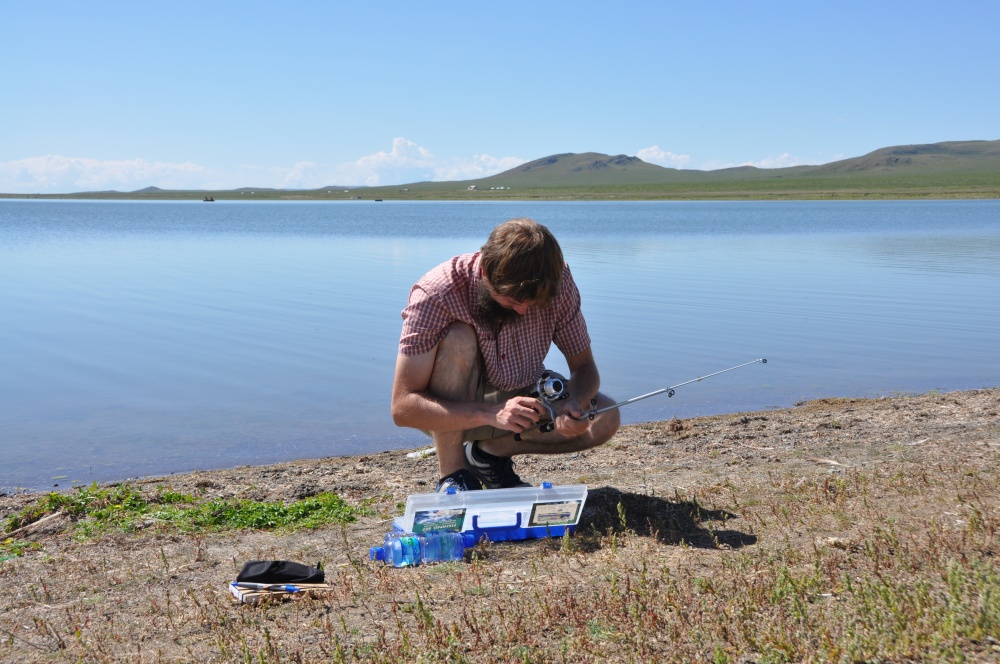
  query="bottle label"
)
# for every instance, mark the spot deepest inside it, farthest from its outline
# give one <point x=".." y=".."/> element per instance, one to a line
<point x="437" y="521"/>
<point x="554" y="514"/>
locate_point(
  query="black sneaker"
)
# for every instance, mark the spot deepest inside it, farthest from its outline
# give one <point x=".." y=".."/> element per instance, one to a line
<point x="493" y="471"/>
<point x="461" y="479"/>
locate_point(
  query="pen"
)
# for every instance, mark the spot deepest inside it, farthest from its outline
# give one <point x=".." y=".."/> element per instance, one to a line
<point x="267" y="586"/>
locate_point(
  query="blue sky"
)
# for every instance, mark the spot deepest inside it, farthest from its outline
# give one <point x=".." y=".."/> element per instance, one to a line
<point x="302" y="94"/>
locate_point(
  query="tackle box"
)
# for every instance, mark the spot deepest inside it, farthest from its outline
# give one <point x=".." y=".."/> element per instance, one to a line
<point x="500" y="514"/>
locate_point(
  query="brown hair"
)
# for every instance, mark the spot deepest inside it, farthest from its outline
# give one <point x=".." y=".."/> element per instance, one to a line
<point x="523" y="261"/>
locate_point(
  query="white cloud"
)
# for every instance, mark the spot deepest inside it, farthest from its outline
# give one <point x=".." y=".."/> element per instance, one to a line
<point x="781" y="161"/>
<point x="404" y="153"/>
<point x="405" y="162"/>
<point x="56" y="174"/>
<point x="480" y="166"/>
<point x="401" y="164"/>
<point x="409" y="162"/>
<point x="655" y="155"/>
<point x="784" y="160"/>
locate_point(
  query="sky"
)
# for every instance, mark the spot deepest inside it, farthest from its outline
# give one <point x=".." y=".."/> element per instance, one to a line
<point x="214" y="94"/>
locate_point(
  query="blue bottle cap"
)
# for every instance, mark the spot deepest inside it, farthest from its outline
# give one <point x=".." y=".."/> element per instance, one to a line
<point x="546" y="485"/>
<point x="451" y="491"/>
<point x="376" y="553"/>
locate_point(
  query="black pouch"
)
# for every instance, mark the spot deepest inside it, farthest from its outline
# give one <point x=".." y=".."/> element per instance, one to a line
<point x="279" y="571"/>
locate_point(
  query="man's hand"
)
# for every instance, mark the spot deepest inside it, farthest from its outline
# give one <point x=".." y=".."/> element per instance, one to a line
<point x="520" y="413"/>
<point x="571" y="417"/>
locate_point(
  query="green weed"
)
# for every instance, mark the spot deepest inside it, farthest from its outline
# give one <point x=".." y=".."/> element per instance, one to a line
<point x="124" y="508"/>
<point x="11" y="548"/>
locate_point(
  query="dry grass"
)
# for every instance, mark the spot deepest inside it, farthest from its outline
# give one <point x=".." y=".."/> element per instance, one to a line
<point x="840" y="530"/>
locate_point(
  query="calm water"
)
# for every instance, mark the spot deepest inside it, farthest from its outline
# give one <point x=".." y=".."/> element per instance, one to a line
<point x="149" y="338"/>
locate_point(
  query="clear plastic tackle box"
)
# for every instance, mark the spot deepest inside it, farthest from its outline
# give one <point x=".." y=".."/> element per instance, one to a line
<point x="500" y="514"/>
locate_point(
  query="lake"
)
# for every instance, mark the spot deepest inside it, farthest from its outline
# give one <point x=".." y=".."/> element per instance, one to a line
<point x="145" y="338"/>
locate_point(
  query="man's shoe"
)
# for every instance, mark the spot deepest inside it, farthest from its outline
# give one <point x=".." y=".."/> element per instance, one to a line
<point x="461" y="479"/>
<point x="493" y="471"/>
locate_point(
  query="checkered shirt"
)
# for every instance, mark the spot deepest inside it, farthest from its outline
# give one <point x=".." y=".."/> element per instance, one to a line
<point x="514" y="357"/>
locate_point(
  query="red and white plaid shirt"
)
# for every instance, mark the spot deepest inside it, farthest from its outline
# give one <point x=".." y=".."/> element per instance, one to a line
<point x="514" y="357"/>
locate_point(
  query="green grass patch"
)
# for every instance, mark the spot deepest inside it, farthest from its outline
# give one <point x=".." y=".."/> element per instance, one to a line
<point x="11" y="548"/>
<point x="124" y="508"/>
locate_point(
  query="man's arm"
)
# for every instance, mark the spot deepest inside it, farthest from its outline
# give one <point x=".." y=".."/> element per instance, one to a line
<point x="584" y="383"/>
<point x="413" y="404"/>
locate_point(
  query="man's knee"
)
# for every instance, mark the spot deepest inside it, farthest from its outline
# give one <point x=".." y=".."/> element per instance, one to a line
<point x="605" y="425"/>
<point x="609" y="427"/>
<point x="457" y="371"/>
<point x="460" y="346"/>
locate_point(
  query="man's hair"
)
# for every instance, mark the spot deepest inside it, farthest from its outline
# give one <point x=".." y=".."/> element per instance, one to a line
<point x="523" y="261"/>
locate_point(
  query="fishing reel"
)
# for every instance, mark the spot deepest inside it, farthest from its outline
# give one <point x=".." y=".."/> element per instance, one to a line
<point x="551" y="387"/>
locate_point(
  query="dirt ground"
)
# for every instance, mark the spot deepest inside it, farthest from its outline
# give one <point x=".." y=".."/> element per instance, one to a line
<point x="159" y="595"/>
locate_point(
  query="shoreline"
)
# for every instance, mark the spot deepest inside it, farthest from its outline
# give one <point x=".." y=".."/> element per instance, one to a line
<point x="313" y="469"/>
<point x="938" y="194"/>
<point x="626" y="434"/>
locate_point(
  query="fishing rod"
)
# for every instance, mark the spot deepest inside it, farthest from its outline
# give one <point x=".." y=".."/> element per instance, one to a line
<point x="552" y="387"/>
<point x="594" y="412"/>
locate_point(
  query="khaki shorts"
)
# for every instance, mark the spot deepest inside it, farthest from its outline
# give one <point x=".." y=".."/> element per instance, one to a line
<point x="489" y="394"/>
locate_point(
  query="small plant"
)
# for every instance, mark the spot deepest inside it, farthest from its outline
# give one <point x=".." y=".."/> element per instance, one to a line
<point x="11" y="548"/>
<point x="568" y="545"/>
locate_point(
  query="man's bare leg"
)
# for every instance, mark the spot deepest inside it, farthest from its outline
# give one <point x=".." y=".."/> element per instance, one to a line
<point x="456" y="377"/>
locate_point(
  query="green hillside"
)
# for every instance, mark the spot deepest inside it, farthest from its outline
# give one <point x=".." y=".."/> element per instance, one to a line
<point x="960" y="169"/>
<point x="589" y="168"/>
<point x="593" y="169"/>
<point x="965" y="156"/>
<point x="954" y="169"/>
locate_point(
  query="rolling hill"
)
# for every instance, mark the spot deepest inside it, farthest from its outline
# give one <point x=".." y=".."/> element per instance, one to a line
<point x="927" y="158"/>
<point x="953" y="169"/>
<point x="592" y="168"/>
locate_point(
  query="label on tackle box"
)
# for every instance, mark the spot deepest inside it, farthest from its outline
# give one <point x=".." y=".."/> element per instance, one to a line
<point x="554" y="514"/>
<point x="436" y="521"/>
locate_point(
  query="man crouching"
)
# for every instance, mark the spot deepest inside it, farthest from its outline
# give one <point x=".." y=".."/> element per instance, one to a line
<point x="476" y="331"/>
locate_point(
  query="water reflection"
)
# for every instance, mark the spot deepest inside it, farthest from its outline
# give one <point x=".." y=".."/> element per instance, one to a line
<point x="966" y="254"/>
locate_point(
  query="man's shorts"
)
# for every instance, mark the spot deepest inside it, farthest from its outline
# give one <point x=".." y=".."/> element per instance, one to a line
<point x="489" y="394"/>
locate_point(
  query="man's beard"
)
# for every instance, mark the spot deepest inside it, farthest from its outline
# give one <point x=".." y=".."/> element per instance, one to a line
<point x="488" y="310"/>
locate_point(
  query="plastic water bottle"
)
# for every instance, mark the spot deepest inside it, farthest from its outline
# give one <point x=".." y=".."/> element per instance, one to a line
<point x="408" y="550"/>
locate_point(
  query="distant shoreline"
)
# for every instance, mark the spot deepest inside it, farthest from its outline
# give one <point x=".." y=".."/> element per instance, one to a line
<point x="532" y="196"/>
<point x="396" y="460"/>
